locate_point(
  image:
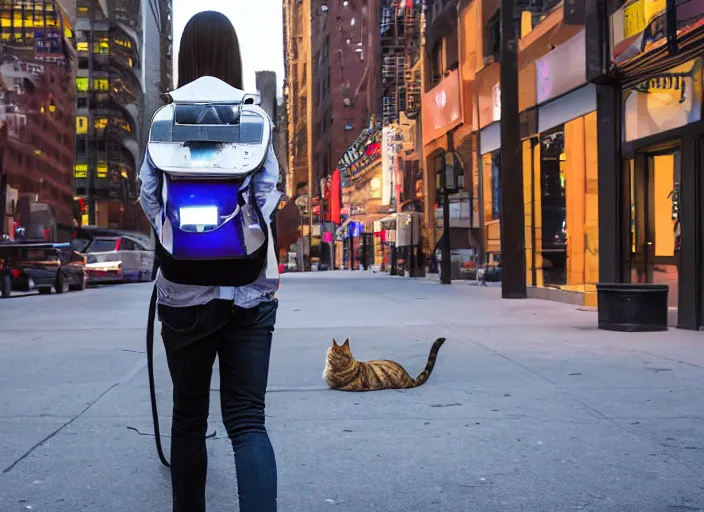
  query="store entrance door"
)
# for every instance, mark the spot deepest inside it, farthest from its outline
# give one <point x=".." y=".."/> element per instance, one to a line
<point x="655" y="219"/>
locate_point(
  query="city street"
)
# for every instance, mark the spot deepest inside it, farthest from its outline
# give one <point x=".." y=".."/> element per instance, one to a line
<point x="529" y="408"/>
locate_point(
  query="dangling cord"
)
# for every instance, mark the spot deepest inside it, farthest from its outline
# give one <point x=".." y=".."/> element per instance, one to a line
<point x="150" y="367"/>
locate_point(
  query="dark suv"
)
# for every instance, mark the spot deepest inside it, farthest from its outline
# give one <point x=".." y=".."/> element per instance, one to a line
<point x="40" y="266"/>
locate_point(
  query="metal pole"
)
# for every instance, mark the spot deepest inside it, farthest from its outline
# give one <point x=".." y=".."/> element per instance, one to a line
<point x="3" y="182"/>
<point x="310" y="216"/>
<point x="513" y="283"/>
<point x="92" y="160"/>
<point x="445" y="263"/>
<point x="308" y="33"/>
<point x="3" y="198"/>
<point x="300" y="241"/>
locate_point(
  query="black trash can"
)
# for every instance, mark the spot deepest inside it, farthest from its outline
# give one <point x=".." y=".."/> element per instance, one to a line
<point x="630" y="307"/>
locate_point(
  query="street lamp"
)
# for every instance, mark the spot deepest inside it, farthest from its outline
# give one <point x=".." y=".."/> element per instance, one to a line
<point x="303" y="204"/>
<point x="448" y="184"/>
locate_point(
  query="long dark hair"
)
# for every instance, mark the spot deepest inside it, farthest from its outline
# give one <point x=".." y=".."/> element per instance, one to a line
<point x="209" y="47"/>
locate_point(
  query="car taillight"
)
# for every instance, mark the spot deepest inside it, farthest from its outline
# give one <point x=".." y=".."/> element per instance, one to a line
<point x="15" y="273"/>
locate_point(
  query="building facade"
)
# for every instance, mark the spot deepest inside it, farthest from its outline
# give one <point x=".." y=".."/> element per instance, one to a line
<point x="297" y="61"/>
<point x="462" y="111"/>
<point x="37" y="112"/>
<point x="649" y="110"/>
<point x="120" y="80"/>
<point x="331" y="90"/>
<point x="401" y="62"/>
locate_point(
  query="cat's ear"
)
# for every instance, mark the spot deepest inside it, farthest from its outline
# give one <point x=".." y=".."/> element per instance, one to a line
<point x="334" y="343"/>
<point x="346" y="344"/>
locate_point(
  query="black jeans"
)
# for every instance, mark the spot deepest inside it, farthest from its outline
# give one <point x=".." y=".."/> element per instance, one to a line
<point x="241" y="339"/>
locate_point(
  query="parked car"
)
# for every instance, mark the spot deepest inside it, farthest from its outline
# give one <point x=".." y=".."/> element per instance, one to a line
<point x="26" y="267"/>
<point x="119" y="259"/>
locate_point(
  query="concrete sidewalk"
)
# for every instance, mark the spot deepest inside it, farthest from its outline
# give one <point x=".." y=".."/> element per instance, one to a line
<point x="530" y="408"/>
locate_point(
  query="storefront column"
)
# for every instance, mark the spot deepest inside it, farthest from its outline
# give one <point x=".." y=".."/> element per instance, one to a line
<point x="613" y="196"/>
<point x="689" y="287"/>
<point x="513" y="264"/>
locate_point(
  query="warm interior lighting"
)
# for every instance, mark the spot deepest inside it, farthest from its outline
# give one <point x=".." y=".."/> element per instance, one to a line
<point x="80" y="171"/>
<point x="81" y="124"/>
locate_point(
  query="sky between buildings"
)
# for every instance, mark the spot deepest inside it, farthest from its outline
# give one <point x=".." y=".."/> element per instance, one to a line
<point x="259" y="27"/>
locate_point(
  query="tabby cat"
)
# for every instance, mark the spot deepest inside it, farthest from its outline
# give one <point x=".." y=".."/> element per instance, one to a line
<point x="344" y="372"/>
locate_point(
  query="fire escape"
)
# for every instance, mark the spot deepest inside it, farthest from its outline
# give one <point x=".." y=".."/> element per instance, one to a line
<point x="400" y="52"/>
<point x="411" y="77"/>
<point x="296" y="93"/>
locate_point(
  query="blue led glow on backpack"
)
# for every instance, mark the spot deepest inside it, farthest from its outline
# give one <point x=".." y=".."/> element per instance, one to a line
<point x="208" y="143"/>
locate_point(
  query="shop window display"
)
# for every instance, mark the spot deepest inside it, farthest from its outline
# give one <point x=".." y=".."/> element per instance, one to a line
<point x="553" y="208"/>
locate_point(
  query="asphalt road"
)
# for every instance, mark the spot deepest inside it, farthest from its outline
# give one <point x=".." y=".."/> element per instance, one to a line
<point x="530" y="408"/>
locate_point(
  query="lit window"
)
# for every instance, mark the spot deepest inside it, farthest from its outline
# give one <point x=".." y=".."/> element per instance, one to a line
<point x="82" y="84"/>
<point x="101" y="123"/>
<point x="5" y="19"/>
<point x="126" y="127"/>
<point x="104" y="46"/>
<point x="83" y="10"/>
<point x="80" y="171"/>
<point x="81" y="125"/>
<point x="101" y="84"/>
<point x="68" y="33"/>
<point x="82" y="47"/>
<point x="102" y="170"/>
<point x="52" y="109"/>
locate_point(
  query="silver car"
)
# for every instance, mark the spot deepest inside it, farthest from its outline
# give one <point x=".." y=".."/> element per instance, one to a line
<point x="119" y="259"/>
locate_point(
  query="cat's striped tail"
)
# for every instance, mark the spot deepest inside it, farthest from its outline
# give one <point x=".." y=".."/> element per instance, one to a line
<point x="425" y="374"/>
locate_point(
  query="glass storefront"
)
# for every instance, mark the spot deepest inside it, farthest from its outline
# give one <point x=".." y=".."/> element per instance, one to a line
<point x="491" y="185"/>
<point x="659" y="157"/>
<point x="655" y="219"/>
<point x="560" y="181"/>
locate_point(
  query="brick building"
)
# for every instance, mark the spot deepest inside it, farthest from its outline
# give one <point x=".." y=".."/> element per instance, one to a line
<point x="37" y="108"/>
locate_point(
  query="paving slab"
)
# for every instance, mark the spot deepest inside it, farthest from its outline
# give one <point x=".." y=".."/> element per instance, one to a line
<point x="530" y="407"/>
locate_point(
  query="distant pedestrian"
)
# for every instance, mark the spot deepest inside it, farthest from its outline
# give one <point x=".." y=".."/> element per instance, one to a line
<point x="233" y="323"/>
